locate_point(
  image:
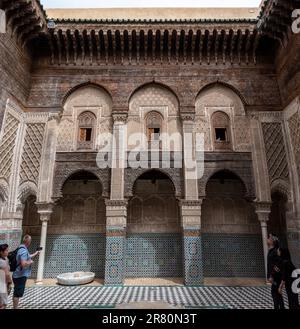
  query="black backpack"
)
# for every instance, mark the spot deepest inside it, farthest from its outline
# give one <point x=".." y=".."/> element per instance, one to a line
<point x="12" y="259"/>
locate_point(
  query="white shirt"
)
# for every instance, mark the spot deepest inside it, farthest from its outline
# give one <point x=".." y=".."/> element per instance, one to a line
<point x="3" y="284"/>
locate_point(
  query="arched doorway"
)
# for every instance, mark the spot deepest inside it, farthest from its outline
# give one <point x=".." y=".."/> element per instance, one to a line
<point x="232" y="244"/>
<point x="76" y="230"/>
<point x="277" y="218"/>
<point x="154" y="239"/>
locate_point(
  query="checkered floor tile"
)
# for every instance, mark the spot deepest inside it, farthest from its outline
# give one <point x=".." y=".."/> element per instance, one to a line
<point x="59" y="297"/>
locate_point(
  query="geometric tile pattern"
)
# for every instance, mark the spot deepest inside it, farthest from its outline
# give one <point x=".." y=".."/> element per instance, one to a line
<point x="193" y="262"/>
<point x="7" y="145"/>
<point x="59" y="297"/>
<point x="12" y="238"/>
<point x="32" y="150"/>
<point x="227" y="255"/>
<point x="275" y="150"/>
<point x="154" y="255"/>
<point x="71" y="253"/>
<point x="114" y="266"/>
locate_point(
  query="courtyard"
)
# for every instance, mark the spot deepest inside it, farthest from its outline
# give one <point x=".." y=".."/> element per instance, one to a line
<point x="237" y="293"/>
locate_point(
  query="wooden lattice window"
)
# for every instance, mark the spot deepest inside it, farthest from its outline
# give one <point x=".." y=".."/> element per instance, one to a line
<point x="154" y="122"/>
<point x="221" y="131"/>
<point x="86" y="127"/>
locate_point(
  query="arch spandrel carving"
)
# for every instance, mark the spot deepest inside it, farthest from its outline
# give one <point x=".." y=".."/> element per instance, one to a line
<point x="243" y="174"/>
<point x="64" y="171"/>
<point x="175" y="175"/>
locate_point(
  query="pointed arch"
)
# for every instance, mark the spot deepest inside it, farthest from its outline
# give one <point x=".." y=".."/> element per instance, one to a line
<point x="153" y="84"/>
<point x="82" y="85"/>
<point x="226" y="85"/>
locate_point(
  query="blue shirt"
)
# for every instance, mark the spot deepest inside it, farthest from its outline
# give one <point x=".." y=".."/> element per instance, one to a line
<point x="23" y="254"/>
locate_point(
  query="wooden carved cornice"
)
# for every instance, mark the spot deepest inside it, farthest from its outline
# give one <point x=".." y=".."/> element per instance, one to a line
<point x="93" y="44"/>
<point x="25" y="18"/>
<point x="275" y="19"/>
<point x="156" y="41"/>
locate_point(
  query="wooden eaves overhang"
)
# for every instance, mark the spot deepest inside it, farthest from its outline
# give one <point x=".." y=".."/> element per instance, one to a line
<point x="26" y="19"/>
<point x="149" y="41"/>
<point x="153" y="41"/>
<point x="275" y="19"/>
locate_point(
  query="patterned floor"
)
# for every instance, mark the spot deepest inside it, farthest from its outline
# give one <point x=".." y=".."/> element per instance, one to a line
<point x="58" y="297"/>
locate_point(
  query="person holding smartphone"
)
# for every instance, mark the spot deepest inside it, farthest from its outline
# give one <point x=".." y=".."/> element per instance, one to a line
<point x="23" y="270"/>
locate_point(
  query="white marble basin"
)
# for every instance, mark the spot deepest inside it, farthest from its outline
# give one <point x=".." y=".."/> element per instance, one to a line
<point x="75" y="278"/>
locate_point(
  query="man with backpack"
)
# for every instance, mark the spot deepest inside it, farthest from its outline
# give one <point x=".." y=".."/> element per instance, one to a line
<point x="22" y="269"/>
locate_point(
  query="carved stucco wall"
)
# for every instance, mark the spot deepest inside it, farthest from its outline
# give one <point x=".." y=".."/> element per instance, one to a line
<point x="221" y="98"/>
<point x="10" y="143"/>
<point x="275" y="151"/>
<point x="131" y="175"/>
<point x="70" y="163"/>
<point x="86" y="98"/>
<point x="32" y="151"/>
<point x="294" y="127"/>
<point x="7" y="146"/>
<point x="153" y="97"/>
<point x="240" y="163"/>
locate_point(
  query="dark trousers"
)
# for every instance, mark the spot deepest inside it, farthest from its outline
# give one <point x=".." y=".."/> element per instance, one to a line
<point x="277" y="297"/>
<point x="293" y="298"/>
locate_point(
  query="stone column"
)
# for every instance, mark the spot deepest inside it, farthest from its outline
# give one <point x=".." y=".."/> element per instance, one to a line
<point x="116" y="207"/>
<point x="191" y="205"/>
<point x="45" y="211"/>
<point x="116" y="217"/>
<point x="45" y="183"/>
<point x="192" y="241"/>
<point x="263" y="210"/>
<point x="189" y="156"/>
<point x="118" y="156"/>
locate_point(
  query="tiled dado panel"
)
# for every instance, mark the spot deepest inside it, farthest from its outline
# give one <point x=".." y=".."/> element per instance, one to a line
<point x="193" y="260"/>
<point x="71" y="253"/>
<point x="154" y="255"/>
<point x="227" y="255"/>
<point x="114" y="267"/>
<point x="12" y="238"/>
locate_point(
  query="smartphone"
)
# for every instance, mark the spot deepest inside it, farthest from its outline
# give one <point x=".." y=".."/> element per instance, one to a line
<point x="39" y="248"/>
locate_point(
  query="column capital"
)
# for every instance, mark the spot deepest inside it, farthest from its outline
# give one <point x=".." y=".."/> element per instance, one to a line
<point x="263" y="210"/>
<point x="116" y="203"/>
<point x="120" y="117"/>
<point x="45" y="210"/>
<point x="262" y="206"/>
<point x="190" y="203"/>
<point x="191" y="213"/>
<point x="116" y="213"/>
<point x="54" y="116"/>
<point x="187" y="116"/>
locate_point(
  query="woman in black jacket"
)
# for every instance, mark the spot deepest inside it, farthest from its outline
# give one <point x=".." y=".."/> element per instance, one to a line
<point x="287" y="268"/>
